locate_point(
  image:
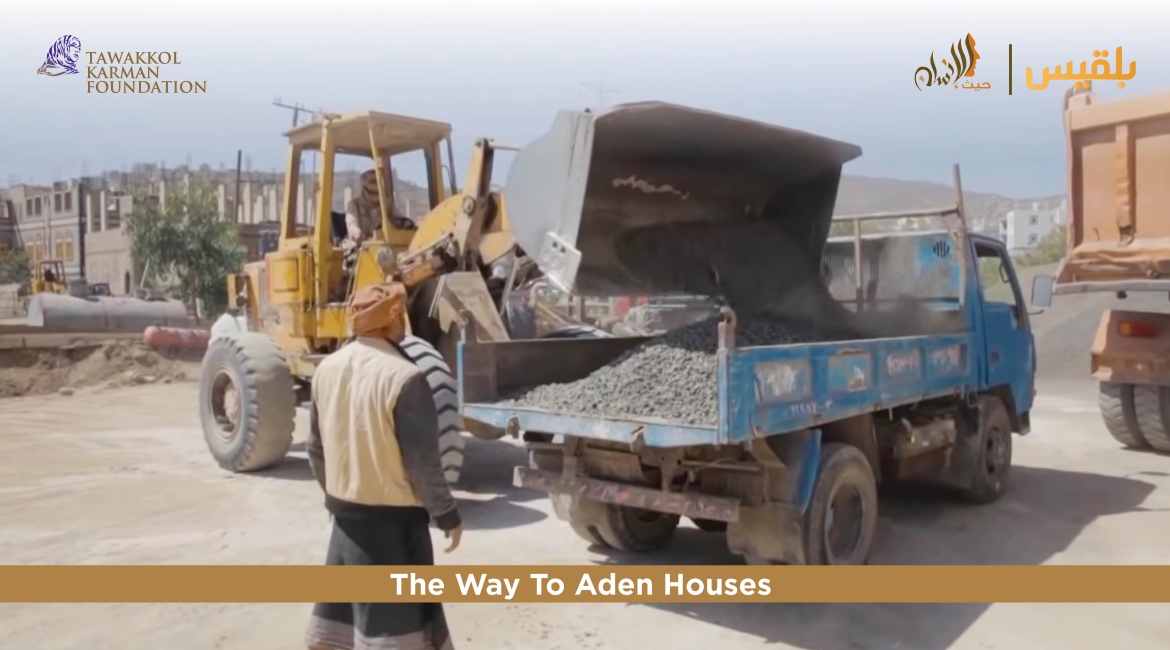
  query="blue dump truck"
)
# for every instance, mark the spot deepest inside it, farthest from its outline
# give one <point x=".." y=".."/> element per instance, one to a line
<point x="923" y="379"/>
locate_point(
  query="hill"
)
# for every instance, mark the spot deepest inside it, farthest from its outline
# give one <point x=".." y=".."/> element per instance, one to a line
<point x="859" y="194"/>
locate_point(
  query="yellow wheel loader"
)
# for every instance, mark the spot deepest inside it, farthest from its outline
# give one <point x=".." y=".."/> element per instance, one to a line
<point x="288" y="312"/>
<point x="48" y="277"/>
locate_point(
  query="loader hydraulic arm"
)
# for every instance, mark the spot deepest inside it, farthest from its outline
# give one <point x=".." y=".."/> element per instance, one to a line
<point x="477" y="200"/>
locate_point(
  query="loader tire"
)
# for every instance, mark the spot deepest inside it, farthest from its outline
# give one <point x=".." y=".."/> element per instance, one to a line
<point x="1151" y="405"/>
<point x="247" y="402"/>
<point x="446" y="393"/>
<point x="1117" y="409"/>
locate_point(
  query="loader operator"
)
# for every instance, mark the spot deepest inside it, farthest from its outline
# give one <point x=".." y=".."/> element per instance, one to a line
<point x="363" y="215"/>
<point x="373" y="447"/>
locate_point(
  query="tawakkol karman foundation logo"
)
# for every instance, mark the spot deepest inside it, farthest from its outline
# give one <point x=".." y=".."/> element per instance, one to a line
<point x="62" y="57"/>
<point x="118" y="73"/>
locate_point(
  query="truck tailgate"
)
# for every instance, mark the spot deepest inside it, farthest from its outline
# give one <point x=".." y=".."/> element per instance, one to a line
<point x="1119" y="200"/>
<point x="761" y="391"/>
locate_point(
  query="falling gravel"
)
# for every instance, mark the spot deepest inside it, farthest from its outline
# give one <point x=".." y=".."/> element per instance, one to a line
<point x="671" y="377"/>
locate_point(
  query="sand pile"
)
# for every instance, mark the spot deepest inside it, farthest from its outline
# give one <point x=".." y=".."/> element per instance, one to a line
<point x="111" y="364"/>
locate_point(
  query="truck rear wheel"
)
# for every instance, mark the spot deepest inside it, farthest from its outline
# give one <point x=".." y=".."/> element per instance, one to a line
<point x="247" y="402"/>
<point x="585" y="516"/>
<point x="635" y="530"/>
<point x="710" y="525"/>
<point x="1151" y="405"/>
<point x="445" y="391"/>
<point x="841" y="520"/>
<point x="1117" y="409"/>
<point x="989" y="477"/>
<point x="620" y="527"/>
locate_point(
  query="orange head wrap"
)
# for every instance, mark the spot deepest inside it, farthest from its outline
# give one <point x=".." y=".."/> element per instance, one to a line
<point x="379" y="311"/>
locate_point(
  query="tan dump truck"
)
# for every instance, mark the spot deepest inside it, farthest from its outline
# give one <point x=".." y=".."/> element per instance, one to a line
<point x="1119" y="242"/>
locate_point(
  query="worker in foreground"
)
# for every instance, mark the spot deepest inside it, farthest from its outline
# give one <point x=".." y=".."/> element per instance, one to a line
<point x="373" y="447"/>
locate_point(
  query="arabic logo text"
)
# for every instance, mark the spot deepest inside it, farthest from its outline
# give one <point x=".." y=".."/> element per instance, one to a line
<point x="964" y="59"/>
<point x="1087" y="73"/>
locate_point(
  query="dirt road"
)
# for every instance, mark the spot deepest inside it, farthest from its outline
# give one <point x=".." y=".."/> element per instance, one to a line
<point x="122" y="476"/>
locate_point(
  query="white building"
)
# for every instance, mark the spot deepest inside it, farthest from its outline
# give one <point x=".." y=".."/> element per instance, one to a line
<point x="1022" y="230"/>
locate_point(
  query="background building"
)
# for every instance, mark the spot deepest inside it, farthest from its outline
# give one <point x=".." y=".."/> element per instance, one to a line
<point x="79" y="221"/>
<point x="1022" y="230"/>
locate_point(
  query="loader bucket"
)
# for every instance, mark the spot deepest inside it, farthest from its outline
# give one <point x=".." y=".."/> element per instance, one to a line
<point x="655" y="198"/>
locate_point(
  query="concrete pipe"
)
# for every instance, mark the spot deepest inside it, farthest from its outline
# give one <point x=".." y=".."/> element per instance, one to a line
<point x="104" y="314"/>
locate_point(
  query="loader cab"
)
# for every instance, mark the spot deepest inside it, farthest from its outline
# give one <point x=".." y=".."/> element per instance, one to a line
<point x="325" y="157"/>
<point x="49" y="277"/>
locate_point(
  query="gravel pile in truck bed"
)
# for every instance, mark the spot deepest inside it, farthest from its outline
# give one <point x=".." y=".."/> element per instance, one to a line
<point x="672" y="377"/>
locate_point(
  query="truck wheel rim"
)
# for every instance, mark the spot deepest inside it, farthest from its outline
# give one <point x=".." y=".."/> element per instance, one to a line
<point x="995" y="457"/>
<point x="225" y="405"/>
<point x="844" y="524"/>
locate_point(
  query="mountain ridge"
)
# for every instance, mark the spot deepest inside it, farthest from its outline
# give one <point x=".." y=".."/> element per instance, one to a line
<point x="863" y="194"/>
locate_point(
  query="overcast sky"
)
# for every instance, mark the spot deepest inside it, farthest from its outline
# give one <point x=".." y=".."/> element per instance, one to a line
<point x="502" y="69"/>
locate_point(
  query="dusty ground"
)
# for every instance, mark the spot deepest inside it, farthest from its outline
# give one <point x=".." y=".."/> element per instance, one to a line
<point x="122" y="476"/>
<point x="112" y="364"/>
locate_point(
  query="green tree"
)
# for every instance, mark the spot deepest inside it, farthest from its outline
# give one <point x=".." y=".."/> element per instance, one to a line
<point x="1048" y="251"/>
<point x="15" y="267"/>
<point x="187" y="242"/>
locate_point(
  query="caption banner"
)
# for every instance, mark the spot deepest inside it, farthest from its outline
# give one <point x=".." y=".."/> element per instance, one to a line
<point x="583" y="584"/>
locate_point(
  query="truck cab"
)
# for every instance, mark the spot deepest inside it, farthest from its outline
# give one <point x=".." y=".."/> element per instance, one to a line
<point x="1009" y="360"/>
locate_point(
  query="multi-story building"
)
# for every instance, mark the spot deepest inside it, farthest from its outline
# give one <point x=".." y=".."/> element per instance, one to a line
<point x="51" y="222"/>
<point x="1022" y="230"/>
<point x="48" y="223"/>
<point x="9" y="236"/>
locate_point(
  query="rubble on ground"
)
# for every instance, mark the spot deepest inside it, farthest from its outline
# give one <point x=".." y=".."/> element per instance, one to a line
<point x="112" y="364"/>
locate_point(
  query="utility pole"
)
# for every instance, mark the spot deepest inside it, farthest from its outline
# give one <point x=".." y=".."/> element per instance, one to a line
<point x="82" y="227"/>
<point x="295" y="108"/>
<point x="602" y="91"/>
<point x="239" y="164"/>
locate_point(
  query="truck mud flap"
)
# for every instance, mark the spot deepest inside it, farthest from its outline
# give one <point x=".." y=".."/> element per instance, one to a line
<point x="694" y="506"/>
<point x="773" y="532"/>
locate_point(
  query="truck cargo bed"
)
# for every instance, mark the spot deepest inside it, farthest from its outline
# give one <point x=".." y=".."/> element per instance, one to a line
<point x="1119" y="236"/>
<point x="761" y="391"/>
